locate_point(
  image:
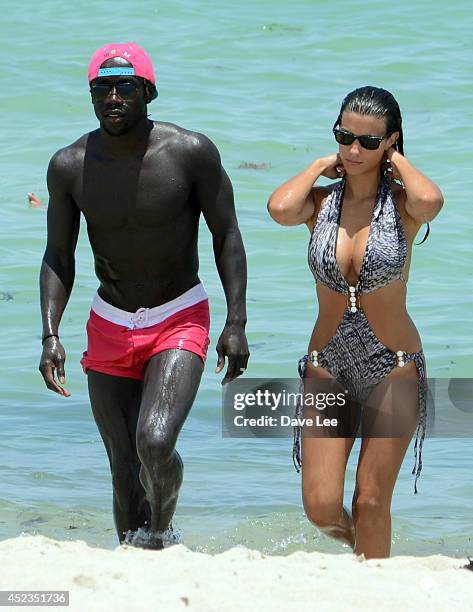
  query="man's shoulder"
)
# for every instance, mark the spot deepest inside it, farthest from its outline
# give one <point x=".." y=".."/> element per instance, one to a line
<point x="187" y="142"/>
<point x="71" y="156"/>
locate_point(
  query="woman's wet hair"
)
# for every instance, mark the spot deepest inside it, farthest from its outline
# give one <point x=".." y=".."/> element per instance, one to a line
<point x="375" y="102"/>
<point x="380" y="103"/>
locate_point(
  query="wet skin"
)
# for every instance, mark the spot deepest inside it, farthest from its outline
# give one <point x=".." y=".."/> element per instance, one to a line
<point x="141" y="186"/>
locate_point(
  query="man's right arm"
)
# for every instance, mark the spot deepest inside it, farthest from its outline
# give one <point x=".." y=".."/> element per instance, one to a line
<point x="58" y="266"/>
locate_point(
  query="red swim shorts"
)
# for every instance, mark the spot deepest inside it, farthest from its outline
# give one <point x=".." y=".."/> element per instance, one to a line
<point x="121" y="343"/>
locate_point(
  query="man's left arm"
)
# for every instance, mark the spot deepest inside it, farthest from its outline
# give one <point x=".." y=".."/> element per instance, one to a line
<point x="214" y="193"/>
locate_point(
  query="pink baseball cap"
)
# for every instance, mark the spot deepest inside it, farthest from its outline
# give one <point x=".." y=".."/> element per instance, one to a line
<point x="141" y="65"/>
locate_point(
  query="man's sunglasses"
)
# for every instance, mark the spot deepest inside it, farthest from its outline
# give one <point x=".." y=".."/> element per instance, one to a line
<point x="126" y="89"/>
<point x="344" y="137"/>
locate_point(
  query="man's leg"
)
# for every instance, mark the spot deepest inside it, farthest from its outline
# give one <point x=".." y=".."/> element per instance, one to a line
<point x="115" y="404"/>
<point x="172" y="378"/>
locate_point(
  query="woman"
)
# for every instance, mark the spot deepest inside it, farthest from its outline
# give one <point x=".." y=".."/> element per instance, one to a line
<point x="362" y="231"/>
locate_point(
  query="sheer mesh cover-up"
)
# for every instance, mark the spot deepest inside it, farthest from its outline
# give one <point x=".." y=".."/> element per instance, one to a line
<point x="354" y="356"/>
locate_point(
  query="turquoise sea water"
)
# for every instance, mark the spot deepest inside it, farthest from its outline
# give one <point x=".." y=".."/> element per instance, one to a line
<point x="264" y="80"/>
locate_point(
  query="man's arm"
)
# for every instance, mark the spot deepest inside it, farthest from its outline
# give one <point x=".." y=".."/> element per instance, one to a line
<point x="58" y="267"/>
<point x="215" y="196"/>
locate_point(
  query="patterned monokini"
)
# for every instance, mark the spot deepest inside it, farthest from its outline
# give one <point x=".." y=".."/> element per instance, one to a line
<point x="354" y="355"/>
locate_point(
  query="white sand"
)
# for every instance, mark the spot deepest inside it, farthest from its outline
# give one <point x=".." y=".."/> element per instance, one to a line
<point x="129" y="579"/>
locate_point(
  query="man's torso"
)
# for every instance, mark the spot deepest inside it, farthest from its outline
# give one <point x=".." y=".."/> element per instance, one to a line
<point x="142" y="218"/>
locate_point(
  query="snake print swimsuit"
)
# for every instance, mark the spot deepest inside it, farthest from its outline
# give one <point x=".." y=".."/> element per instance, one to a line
<point x="354" y="355"/>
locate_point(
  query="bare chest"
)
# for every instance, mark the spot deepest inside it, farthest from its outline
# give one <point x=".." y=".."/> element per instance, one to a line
<point x="141" y="192"/>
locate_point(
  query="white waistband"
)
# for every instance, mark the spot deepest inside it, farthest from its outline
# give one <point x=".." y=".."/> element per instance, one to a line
<point x="145" y="317"/>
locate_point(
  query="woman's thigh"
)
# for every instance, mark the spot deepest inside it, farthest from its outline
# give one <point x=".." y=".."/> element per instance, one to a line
<point x="325" y="451"/>
<point x="389" y="421"/>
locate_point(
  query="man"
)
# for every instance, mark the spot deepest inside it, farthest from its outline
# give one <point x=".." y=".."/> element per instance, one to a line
<point x="141" y="186"/>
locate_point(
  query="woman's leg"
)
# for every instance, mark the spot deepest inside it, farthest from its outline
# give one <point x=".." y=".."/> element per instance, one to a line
<point x="324" y="461"/>
<point x="323" y="478"/>
<point x="391" y="410"/>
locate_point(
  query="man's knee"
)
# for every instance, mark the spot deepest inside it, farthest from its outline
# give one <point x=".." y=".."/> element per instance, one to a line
<point x="154" y="449"/>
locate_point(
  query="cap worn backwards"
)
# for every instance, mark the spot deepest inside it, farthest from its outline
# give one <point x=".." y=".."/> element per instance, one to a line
<point x="140" y="63"/>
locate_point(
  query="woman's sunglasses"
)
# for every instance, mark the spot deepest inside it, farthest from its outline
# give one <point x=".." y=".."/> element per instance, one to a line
<point x="344" y="137"/>
<point x="124" y="90"/>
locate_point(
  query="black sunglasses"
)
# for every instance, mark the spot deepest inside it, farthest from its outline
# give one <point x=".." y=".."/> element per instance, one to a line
<point x="126" y="89"/>
<point x="344" y="137"/>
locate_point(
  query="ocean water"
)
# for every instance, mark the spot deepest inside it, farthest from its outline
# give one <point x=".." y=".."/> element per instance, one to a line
<point x="264" y="80"/>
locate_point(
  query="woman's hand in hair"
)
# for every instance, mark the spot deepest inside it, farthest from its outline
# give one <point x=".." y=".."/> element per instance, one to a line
<point x="390" y="163"/>
<point x="423" y="197"/>
<point x="333" y="166"/>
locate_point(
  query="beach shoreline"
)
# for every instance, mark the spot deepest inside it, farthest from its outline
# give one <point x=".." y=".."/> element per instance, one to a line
<point x="131" y="579"/>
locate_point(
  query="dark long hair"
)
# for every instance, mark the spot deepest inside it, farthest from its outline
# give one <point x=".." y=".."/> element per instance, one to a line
<point x="380" y="103"/>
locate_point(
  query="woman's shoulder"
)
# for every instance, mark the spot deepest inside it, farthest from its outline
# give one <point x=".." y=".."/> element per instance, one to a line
<point x="320" y="195"/>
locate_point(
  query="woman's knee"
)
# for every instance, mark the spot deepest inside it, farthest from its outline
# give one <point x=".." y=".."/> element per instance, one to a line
<point x="370" y="505"/>
<point x="323" y="512"/>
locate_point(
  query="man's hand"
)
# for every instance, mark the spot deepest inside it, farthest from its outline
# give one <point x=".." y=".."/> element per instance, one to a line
<point x="233" y="345"/>
<point x="53" y="359"/>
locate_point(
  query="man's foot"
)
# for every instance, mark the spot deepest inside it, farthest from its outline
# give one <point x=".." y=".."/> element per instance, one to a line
<point x="144" y="537"/>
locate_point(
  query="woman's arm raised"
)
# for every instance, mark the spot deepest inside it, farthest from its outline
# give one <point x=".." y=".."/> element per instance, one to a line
<point x="423" y="198"/>
<point x="293" y="203"/>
